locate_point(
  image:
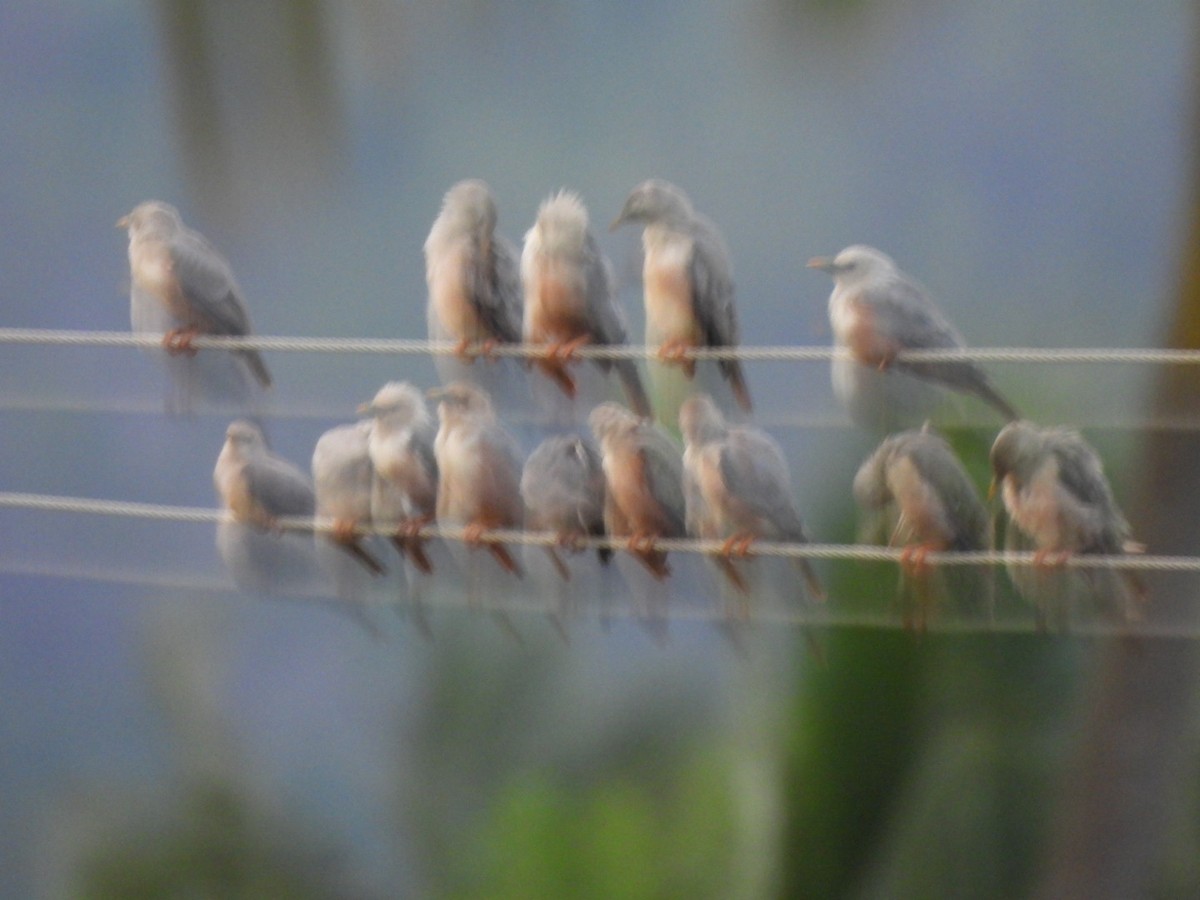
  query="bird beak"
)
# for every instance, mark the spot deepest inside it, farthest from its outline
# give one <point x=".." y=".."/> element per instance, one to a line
<point x="823" y="263"/>
<point x="617" y="222"/>
<point x="992" y="489"/>
<point x="436" y="393"/>
<point x="123" y="222"/>
<point x="366" y="409"/>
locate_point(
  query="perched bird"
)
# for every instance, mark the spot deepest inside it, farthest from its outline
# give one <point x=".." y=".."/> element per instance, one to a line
<point x="563" y="489"/>
<point x="404" y="492"/>
<point x="877" y="311"/>
<point x="479" y="468"/>
<point x="255" y="485"/>
<point x="643" y="474"/>
<point x="1056" y="494"/>
<point x="342" y="478"/>
<point x="569" y="298"/>
<point x="737" y="488"/>
<point x="687" y="280"/>
<point x="915" y="483"/>
<point x="473" y="274"/>
<point x="181" y="285"/>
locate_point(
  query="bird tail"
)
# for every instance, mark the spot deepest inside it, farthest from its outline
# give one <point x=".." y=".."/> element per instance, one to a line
<point x="257" y="366"/>
<point x="984" y="390"/>
<point x="631" y="382"/>
<point x="732" y="370"/>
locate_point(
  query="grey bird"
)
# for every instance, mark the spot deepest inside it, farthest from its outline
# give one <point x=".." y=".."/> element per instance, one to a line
<point x="563" y="489"/>
<point x="916" y="485"/>
<point x="479" y="469"/>
<point x="404" y="492"/>
<point x="178" y="279"/>
<point x="1059" y="500"/>
<point x="687" y="280"/>
<point x="643" y="477"/>
<point x="257" y="486"/>
<point x="737" y="488"/>
<point x="877" y="311"/>
<point x="473" y="274"/>
<point x="342" y="478"/>
<point x="569" y="297"/>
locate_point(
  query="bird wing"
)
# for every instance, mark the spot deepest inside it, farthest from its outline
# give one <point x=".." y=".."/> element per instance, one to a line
<point x="711" y="276"/>
<point x="207" y="283"/>
<point x="937" y="465"/>
<point x="279" y="487"/>
<point x="1081" y="475"/>
<point x="604" y="316"/>
<point x="662" y="466"/>
<point x="754" y="471"/>
<point x="496" y="291"/>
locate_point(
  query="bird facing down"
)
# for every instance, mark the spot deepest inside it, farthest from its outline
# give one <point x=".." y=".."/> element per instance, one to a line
<point x="342" y="477"/>
<point x="877" y="311"/>
<point x="569" y="298"/>
<point x="472" y="273"/>
<point x="1056" y="494"/>
<point x="916" y="484"/>
<point x="404" y="490"/>
<point x="643" y="473"/>
<point x="479" y="467"/>
<point x="687" y="280"/>
<point x="175" y="271"/>
<point x="563" y="490"/>
<point x="737" y="488"/>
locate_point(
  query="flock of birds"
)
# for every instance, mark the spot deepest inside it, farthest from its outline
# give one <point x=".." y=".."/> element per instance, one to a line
<point x="624" y="476"/>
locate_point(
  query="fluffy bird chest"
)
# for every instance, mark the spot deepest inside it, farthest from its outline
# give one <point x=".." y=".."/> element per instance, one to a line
<point x="153" y="272"/>
<point x="452" y="287"/>
<point x="669" y="292"/>
<point x="923" y="515"/>
<point x="855" y="326"/>
<point x="1035" y="507"/>
<point x="629" y="491"/>
<point x="715" y="518"/>
<point x="556" y="307"/>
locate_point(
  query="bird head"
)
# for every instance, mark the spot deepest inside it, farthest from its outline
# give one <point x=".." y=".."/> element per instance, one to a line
<point x="654" y="201"/>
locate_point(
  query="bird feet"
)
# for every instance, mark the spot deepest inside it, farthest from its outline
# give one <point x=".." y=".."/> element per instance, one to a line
<point x="738" y="545"/>
<point x="678" y="353"/>
<point x="178" y="341"/>
<point x="468" y="351"/>
<point x="564" y="351"/>
<point x="914" y="557"/>
<point x="1051" y="559"/>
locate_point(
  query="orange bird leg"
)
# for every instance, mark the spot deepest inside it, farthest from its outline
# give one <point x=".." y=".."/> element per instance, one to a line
<point x="675" y="352"/>
<point x="473" y="537"/>
<point x="643" y="547"/>
<point x="345" y="535"/>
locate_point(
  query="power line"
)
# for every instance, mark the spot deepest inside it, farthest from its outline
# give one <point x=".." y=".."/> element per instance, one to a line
<point x="398" y="346"/>
<point x="844" y="552"/>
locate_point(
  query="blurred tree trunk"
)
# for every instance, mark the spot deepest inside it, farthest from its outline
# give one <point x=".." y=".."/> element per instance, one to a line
<point x="1132" y="773"/>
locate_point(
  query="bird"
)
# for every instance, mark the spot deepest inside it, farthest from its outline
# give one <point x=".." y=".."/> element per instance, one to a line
<point x="342" y="479"/>
<point x="915" y="483"/>
<point x="404" y="490"/>
<point x="473" y="274"/>
<point x="737" y="489"/>
<point x="562" y="486"/>
<point x="643" y="478"/>
<point x="479" y="469"/>
<point x="180" y="284"/>
<point x="687" y="280"/>
<point x="1055" y="492"/>
<point x="877" y="312"/>
<point x="258" y="487"/>
<point x="569" y="297"/>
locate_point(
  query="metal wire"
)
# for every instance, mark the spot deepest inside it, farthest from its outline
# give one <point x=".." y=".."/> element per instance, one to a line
<point x="394" y="346"/>
<point x="849" y="552"/>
